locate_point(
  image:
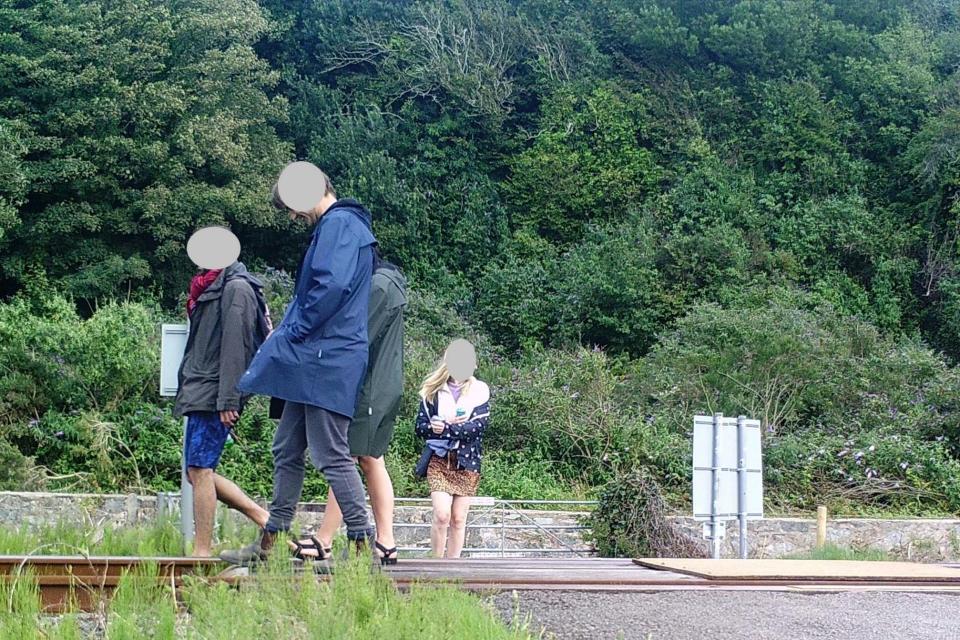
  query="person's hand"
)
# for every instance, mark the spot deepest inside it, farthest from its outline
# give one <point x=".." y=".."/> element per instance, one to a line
<point x="229" y="418"/>
<point x="458" y="420"/>
<point x="437" y="425"/>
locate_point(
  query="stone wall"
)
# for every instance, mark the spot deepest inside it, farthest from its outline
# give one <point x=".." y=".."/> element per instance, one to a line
<point x="525" y="532"/>
<point x="920" y="540"/>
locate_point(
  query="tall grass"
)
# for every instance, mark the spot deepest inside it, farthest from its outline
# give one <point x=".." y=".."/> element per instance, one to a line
<point x="833" y="552"/>
<point x="356" y="604"/>
<point x="159" y="538"/>
<point x="20" y="614"/>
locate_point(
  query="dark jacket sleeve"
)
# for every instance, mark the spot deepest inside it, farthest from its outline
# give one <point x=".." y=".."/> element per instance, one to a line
<point x="473" y="428"/>
<point x="331" y="264"/>
<point x="238" y="318"/>
<point x="423" y="421"/>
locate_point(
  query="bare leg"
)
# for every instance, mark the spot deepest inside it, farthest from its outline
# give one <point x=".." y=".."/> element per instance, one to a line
<point x="441" y="521"/>
<point x="233" y="496"/>
<point x="380" y="489"/>
<point x="332" y="519"/>
<point x="458" y="526"/>
<point x="204" y="508"/>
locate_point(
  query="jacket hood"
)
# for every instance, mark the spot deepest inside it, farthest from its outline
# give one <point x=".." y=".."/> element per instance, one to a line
<point x="356" y="208"/>
<point x="234" y="271"/>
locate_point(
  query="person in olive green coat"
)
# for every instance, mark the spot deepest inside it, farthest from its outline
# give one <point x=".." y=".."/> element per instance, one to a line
<point x="373" y="422"/>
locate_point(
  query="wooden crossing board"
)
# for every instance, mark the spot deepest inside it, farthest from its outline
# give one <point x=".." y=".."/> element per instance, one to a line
<point x="518" y="572"/>
<point x="805" y="570"/>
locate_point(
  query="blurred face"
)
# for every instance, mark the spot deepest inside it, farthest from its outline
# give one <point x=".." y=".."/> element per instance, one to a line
<point x="461" y="360"/>
<point x="303" y="192"/>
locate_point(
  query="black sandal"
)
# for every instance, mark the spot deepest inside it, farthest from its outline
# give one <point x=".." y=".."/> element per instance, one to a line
<point x="323" y="553"/>
<point x="389" y="555"/>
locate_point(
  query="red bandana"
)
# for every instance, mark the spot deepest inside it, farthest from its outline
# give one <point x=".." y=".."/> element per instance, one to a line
<point x="198" y="285"/>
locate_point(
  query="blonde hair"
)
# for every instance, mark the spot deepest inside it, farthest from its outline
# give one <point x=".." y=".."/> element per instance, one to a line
<point x="439" y="377"/>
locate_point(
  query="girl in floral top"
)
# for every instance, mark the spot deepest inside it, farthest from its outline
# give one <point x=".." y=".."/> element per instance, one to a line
<point x="453" y="415"/>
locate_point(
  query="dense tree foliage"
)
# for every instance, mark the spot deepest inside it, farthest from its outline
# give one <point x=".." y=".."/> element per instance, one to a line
<point x="690" y="184"/>
<point x="620" y="161"/>
<point x="126" y="126"/>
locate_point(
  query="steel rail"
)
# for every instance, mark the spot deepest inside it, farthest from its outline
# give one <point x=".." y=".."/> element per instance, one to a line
<point x="85" y="583"/>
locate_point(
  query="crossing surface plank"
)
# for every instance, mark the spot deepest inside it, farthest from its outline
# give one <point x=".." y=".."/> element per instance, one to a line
<point x="805" y="570"/>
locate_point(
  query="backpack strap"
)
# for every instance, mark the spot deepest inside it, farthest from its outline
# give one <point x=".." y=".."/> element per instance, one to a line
<point x="264" y="322"/>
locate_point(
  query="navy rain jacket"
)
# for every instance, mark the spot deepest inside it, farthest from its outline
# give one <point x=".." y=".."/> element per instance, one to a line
<point x="318" y="354"/>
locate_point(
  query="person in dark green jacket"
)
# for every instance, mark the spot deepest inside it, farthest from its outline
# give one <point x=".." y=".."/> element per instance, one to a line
<point x="228" y="321"/>
<point x="372" y="427"/>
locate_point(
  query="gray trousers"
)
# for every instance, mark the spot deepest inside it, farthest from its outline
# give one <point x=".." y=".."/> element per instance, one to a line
<point x="324" y="433"/>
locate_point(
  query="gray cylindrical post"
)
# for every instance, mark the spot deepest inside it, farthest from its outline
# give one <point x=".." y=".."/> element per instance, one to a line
<point x="715" y="501"/>
<point x="503" y="529"/>
<point x="163" y="505"/>
<point x="186" y="497"/>
<point x="742" y="483"/>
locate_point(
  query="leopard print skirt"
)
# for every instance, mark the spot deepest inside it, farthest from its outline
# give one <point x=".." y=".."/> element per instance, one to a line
<point x="445" y="476"/>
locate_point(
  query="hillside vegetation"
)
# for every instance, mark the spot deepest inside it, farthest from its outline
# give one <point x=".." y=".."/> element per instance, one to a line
<point x="638" y="210"/>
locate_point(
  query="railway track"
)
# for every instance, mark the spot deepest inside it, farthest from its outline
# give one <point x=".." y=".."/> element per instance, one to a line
<point x="87" y="582"/>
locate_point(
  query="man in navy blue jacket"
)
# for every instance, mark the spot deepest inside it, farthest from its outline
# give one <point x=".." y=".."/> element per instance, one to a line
<point x="316" y="359"/>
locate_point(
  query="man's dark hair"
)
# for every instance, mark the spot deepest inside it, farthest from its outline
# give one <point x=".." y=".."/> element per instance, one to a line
<point x="275" y="198"/>
<point x="278" y="202"/>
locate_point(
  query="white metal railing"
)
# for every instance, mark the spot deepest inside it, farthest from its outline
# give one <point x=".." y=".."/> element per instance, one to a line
<point x="485" y="506"/>
<point x="482" y="506"/>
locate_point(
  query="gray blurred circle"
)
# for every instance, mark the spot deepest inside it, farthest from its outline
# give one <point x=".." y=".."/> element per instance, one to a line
<point x="461" y="360"/>
<point x="213" y="248"/>
<point x="301" y="186"/>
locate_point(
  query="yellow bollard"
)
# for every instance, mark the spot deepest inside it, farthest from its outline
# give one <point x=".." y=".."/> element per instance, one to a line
<point x="821" y="527"/>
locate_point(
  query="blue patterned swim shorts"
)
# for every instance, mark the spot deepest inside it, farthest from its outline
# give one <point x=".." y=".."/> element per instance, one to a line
<point x="205" y="439"/>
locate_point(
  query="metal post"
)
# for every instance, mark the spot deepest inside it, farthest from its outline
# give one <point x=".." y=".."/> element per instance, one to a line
<point x="715" y="502"/>
<point x="503" y="529"/>
<point x="186" y="498"/>
<point x="742" y="483"/>
<point x="164" y="506"/>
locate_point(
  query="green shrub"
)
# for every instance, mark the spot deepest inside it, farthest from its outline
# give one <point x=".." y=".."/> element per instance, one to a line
<point x="869" y="472"/>
<point x="17" y="471"/>
<point x="605" y="291"/>
<point x="51" y="359"/>
<point x="824" y="387"/>
<point x="515" y="299"/>
<point x="852" y="418"/>
<point x="792" y="368"/>
<point x="631" y="521"/>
